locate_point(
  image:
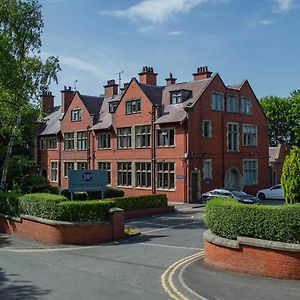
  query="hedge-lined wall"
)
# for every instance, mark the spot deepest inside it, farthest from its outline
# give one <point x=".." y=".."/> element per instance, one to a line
<point x="230" y="219"/>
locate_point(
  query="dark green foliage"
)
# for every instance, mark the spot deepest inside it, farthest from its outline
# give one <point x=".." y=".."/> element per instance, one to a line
<point x="41" y="205"/>
<point x="111" y="192"/>
<point x="230" y="219"/>
<point x="141" y="202"/>
<point x="35" y="183"/>
<point x="9" y="203"/>
<point x="90" y="210"/>
<point x="290" y="178"/>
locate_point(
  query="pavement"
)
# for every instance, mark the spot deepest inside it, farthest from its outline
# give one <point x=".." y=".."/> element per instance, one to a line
<point x="164" y="262"/>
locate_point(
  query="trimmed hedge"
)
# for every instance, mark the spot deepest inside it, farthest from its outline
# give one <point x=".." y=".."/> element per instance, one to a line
<point x="41" y="205"/>
<point x="90" y="210"/>
<point x="141" y="202"/>
<point x="230" y="219"/>
<point x="9" y="203"/>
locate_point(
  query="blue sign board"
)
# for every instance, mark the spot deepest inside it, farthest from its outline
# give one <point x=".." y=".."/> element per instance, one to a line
<point x="179" y="177"/>
<point x="87" y="180"/>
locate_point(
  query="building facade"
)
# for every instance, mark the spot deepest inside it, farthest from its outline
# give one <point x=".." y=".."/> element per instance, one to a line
<point x="181" y="139"/>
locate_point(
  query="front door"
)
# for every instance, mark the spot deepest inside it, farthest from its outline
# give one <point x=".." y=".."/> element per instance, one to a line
<point x="232" y="179"/>
<point x="195" y="187"/>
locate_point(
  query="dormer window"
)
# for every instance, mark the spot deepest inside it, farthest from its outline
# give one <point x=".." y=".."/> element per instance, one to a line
<point x="76" y="115"/>
<point x="112" y="106"/>
<point x="133" y="106"/>
<point x="179" y="96"/>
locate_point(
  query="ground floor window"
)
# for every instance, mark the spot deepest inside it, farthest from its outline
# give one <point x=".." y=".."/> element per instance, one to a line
<point x="67" y="167"/>
<point x="124" y="175"/>
<point x="54" y="171"/>
<point x="250" y="171"/>
<point x="207" y="169"/>
<point x="81" y="165"/>
<point x="143" y="174"/>
<point x="165" y="175"/>
<point x="104" y="165"/>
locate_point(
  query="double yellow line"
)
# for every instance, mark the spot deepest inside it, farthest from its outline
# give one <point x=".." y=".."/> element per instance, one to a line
<point x="167" y="276"/>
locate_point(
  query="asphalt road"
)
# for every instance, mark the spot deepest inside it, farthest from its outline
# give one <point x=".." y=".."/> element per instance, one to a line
<point x="130" y="269"/>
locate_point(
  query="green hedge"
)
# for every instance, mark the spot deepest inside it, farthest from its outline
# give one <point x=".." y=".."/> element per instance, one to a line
<point x="230" y="219"/>
<point x="90" y="210"/>
<point x="9" y="203"/>
<point x="141" y="202"/>
<point x="41" y="205"/>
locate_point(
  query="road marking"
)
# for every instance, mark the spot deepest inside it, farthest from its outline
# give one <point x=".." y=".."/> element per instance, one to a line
<point x="146" y="223"/>
<point x="167" y="278"/>
<point x="170" y="246"/>
<point x="167" y="227"/>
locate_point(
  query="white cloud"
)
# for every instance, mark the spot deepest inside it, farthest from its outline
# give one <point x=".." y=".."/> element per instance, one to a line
<point x="178" y="32"/>
<point x="262" y="22"/>
<point x="146" y="29"/>
<point x="158" y="11"/>
<point x="283" y="5"/>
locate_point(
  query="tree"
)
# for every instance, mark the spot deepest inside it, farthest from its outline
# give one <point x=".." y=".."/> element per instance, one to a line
<point x="290" y="178"/>
<point x="283" y="118"/>
<point x="23" y="74"/>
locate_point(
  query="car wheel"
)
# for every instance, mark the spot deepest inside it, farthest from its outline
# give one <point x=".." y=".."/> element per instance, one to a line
<point x="261" y="196"/>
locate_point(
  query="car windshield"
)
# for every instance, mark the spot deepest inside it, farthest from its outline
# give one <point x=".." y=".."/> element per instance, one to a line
<point x="239" y="193"/>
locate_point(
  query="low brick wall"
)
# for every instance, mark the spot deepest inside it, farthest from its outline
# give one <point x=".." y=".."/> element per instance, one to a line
<point x="58" y="232"/>
<point x="147" y="212"/>
<point x="253" y="256"/>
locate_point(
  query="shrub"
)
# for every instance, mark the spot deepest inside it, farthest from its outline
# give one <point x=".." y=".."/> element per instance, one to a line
<point x="91" y="210"/>
<point x="141" y="202"/>
<point x="290" y="178"/>
<point x="34" y="183"/>
<point x="9" y="203"/>
<point x="41" y="205"/>
<point x="111" y="192"/>
<point x="230" y="219"/>
<point x="76" y="195"/>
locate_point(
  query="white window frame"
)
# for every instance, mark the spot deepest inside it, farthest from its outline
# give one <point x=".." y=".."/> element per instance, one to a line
<point x="125" y="138"/>
<point x="142" y="134"/>
<point x="54" y="177"/>
<point x="253" y="178"/>
<point x="176" y="97"/>
<point x="246" y="105"/>
<point x="209" y="122"/>
<point x="249" y="136"/>
<point x="76" y="115"/>
<point x="69" y="162"/>
<point x="70" y="140"/>
<point x="104" y="140"/>
<point x="217" y="101"/>
<point x="82" y="141"/>
<point x="126" y="174"/>
<point x="207" y="173"/>
<point x="133" y="106"/>
<point x="230" y="137"/>
<point x="232" y="103"/>
<point x="165" y="133"/>
<point x="143" y="176"/>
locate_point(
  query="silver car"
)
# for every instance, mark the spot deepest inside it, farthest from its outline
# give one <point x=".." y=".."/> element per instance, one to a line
<point x="274" y="192"/>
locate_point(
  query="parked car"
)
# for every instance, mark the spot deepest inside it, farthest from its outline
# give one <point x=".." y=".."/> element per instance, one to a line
<point x="274" y="192"/>
<point x="240" y="196"/>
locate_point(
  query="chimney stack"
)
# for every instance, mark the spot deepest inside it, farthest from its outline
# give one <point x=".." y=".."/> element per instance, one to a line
<point x="147" y="76"/>
<point x="111" y="89"/>
<point x="47" y="102"/>
<point x="202" y="73"/>
<point x="66" y="98"/>
<point x="170" y="80"/>
<point x="124" y="87"/>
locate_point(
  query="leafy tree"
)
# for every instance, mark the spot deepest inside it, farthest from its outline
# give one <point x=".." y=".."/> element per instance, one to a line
<point x="23" y="74"/>
<point x="283" y="118"/>
<point x="290" y="178"/>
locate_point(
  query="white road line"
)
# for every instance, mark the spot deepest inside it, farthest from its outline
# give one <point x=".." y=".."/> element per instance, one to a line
<point x="171" y="246"/>
<point x="179" y="225"/>
<point x="146" y="223"/>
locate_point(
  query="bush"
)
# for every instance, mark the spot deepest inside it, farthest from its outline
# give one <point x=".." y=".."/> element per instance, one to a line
<point x="111" y="192"/>
<point x="41" y="205"/>
<point x="290" y="178"/>
<point x="230" y="219"/>
<point x="91" y="210"/>
<point x="9" y="203"/>
<point x="141" y="202"/>
<point x="76" y="196"/>
<point x="34" y="183"/>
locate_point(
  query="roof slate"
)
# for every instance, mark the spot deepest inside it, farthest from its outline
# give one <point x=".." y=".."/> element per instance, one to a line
<point x="52" y="125"/>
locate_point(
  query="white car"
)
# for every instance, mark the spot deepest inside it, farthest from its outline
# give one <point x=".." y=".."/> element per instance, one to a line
<point x="274" y="192"/>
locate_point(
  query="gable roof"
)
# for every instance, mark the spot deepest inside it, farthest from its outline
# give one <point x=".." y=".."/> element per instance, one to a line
<point x="52" y="122"/>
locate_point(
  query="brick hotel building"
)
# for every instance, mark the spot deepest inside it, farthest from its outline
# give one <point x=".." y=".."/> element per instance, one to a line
<point x="181" y="139"/>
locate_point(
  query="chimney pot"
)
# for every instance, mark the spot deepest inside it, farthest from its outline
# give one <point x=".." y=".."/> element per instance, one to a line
<point x="202" y="73"/>
<point x="147" y="76"/>
<point x="111" y="89"/>
<point x="170" y="80"/>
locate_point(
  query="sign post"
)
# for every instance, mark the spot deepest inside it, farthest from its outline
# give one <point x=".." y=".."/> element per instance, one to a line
<point x="87" y="181"/>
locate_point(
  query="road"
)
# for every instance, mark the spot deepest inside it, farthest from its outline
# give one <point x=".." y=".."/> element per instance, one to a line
<point x="130" y="269"/>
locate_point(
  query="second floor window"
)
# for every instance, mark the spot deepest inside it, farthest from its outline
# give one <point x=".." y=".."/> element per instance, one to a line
<point x="103" y="140"/>
<point x="48" y="143"/>
<point x="232" y="104"/>
<point x="142" y="136"/>
<point x="250" y="135"/>
<point x="217" y="102"/>
<point x="69" y="143"/>
<point x="165" y="137"/>
<point x="233" y="137"/>
<point x="81" y="140"/>
<point x="81" y="165"/>
<point x="206" y="129"/>
<point x="124" y="137"/>
<point x="246" y="105"/>
<point x="76" y="115"/>
<point x="176" y="97"/>
<point x="133" y="106"/>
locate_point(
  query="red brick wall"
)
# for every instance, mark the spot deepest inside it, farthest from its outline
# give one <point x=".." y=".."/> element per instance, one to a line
<point x="254" y="260"/>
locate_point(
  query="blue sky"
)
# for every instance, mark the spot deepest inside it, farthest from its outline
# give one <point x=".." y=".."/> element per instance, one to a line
<point x="254" y="40"/>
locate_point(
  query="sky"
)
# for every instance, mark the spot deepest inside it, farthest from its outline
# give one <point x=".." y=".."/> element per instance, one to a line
<point x="258" y="40"/>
